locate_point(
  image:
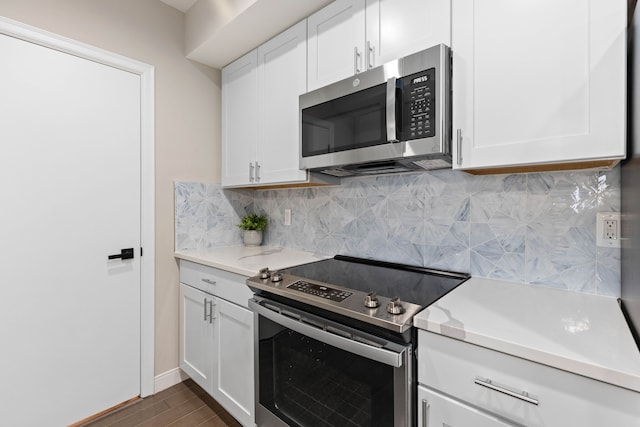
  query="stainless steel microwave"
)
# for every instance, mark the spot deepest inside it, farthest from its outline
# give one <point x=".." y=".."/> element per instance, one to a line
<point x="392" y="118"/>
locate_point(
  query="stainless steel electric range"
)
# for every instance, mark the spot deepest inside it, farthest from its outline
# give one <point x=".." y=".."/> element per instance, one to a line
<point x="334" y="341"/>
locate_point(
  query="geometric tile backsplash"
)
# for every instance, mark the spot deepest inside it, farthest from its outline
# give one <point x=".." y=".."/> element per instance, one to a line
<point x="536" y="228"/>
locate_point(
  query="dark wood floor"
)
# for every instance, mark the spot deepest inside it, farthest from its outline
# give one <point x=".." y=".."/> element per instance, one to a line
<point x="183" y="405"/>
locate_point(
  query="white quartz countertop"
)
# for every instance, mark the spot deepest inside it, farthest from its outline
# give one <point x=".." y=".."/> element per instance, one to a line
<point x="580" y="333"/>
<point x="247" y="261"/>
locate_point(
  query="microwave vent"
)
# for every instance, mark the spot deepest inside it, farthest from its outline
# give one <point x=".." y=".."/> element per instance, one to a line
<point x="431" y="164"/>
<point x="337" y="172"/>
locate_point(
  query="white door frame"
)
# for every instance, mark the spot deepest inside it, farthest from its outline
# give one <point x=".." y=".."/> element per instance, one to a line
<point x="147" y="262"/>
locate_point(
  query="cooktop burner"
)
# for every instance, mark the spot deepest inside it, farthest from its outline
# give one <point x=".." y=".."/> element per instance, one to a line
<point x="376" y="292"/>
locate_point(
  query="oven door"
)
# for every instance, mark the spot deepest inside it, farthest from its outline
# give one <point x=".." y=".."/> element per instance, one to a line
<point x="311" y="371"/>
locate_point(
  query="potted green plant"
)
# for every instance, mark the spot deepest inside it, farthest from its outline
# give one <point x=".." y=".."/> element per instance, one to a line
<point x="253" y="226"/>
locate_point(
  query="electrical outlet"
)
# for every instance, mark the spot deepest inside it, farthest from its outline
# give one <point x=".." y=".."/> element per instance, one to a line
<point x="608" y="229"/>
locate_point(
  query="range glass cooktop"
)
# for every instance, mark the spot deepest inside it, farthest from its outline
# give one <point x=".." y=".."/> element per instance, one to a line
<point x="380" y="293"/>
<point x="417" y="285"/>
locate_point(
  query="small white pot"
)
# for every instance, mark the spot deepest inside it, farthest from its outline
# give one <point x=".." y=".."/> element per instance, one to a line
<point x="252" y="237"/>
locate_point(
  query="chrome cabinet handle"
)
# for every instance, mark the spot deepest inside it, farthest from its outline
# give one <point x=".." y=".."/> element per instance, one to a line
<point x="209" y="281"/>
<point x="425" y="413"/>
<point x="211" y="305"/>
<point x="257" y="172"/>
<point x="486" y="382"/>
<point x="459" y="147"/>
<point x="357" y="57"/>
<point x="370" y="55"/>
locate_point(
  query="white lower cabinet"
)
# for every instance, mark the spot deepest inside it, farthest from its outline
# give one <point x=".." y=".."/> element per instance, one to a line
<point x="467" y="385"/>
<point x="436" y="409"/>
<point x="216" y="337"/>
<point x="196" y="336"/>
<point x="233" y="381"/>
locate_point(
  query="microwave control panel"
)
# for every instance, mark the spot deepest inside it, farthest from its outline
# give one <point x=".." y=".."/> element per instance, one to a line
<point x="419" y="105"/>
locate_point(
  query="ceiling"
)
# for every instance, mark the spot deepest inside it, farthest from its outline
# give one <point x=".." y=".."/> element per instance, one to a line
<point x="181" y="5"/>
<point x="220" y="31"/>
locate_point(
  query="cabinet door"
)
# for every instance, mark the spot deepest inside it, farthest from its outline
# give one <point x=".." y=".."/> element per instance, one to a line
<point x="435" y="409"/>
<point x="239" y="120"/>
<point x="396" y="28"/>
<point x="525" y="392"/>
<point x="282" y="78"/>
<point x="538" y="83"/>
<point x="335" y="38"/>
<point x="234" y="382"/>
<point x="197" y="335"/>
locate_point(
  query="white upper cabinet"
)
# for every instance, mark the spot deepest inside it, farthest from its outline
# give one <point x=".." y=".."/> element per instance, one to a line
<point x="239" y="120"/>
<point x="260" y="128"/>
<point x="538" y="82"/>
<point x="282" y="78"/>
<point x="351" y="36"/>
<point x="396" y="28"/>
<point x="335" y="37"/>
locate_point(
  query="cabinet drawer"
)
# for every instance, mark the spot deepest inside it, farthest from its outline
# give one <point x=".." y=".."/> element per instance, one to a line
<point x="520" y="390"/>
<point x="435" y="409"/>
<point x="220" y="283"/>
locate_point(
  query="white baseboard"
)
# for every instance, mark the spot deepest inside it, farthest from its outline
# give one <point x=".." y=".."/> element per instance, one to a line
<point x="168" y="379"/>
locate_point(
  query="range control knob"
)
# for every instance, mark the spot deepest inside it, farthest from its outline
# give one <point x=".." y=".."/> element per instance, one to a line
<point x="371" y="300"/>
<point x="395" y="306"/>
<point x="276" y="276"/>
<point x="264" y="273"/>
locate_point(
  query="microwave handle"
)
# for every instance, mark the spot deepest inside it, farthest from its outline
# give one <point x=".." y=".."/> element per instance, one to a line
<point x="392" y="135"/>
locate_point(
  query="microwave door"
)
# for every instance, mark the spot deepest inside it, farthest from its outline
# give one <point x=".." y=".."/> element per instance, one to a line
<point x="349" y="129"/>
<point x="320" y="131"/>
<point x="355" y="121"/>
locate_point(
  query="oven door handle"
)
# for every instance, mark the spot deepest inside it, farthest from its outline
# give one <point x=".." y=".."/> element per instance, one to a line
<point x="382" y="355"/>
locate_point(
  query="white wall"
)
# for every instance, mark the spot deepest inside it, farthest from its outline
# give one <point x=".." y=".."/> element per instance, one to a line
<point x="187" y="97"/>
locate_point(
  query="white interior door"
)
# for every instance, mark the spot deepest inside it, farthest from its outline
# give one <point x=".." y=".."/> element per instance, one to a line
<point x="70" y="172"/>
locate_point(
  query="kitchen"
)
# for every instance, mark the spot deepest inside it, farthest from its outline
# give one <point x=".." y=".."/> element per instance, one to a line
<point x="488" y="211"/>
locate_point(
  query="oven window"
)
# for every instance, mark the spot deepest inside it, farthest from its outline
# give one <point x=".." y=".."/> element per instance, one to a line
<point x="305" y="382"/>
<point x="352" y="121"/>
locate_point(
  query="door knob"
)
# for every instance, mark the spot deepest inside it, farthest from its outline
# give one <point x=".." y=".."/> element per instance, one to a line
<point x="124" y="254"/>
